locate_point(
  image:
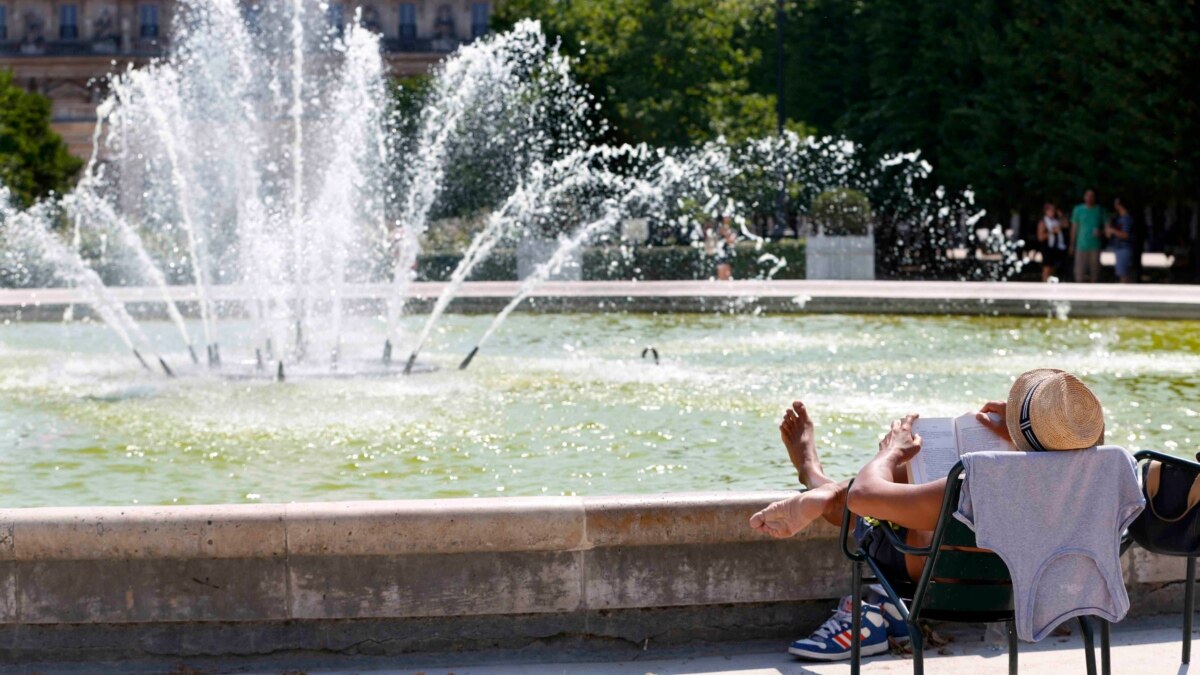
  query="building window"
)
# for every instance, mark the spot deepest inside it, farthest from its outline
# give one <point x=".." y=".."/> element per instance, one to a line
<point x="481" y="14"/>
<point x="408" y="21"/>
<point x="443" y="23"/>
<point x="68" y="22"/>
<point x="3" y="23"/>
<point x="148" y="21"/>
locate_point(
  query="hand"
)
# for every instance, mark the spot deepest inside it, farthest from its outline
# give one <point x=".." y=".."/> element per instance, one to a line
<point x="999" y="428"/>
<point x="900" y="439"/>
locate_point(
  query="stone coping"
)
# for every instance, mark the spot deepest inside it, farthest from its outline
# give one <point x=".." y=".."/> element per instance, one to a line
<point x="784" y="296"/>
<point x="421" y="575"/>
<point x="380" y="528"/>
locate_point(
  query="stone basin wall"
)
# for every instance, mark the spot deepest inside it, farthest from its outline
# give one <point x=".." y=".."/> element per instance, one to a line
<point x="422" y="575"/>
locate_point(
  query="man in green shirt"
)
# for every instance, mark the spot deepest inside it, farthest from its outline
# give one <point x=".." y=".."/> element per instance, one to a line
<point x="1087" y="224"/>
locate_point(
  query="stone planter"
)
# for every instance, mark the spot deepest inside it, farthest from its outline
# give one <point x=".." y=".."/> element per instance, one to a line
<point x="840" y="257"/>
<point x="533" y="251"/>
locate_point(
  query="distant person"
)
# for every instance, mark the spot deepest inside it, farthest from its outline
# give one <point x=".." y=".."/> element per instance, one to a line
<point x="1087" y="226"/>
<point x="1121" y="231"/>
<point x="1052" y="240"/>
<point x="720" y="242"/>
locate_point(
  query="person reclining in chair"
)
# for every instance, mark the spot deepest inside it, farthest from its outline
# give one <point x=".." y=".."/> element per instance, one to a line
<point x="1066" y="416"/>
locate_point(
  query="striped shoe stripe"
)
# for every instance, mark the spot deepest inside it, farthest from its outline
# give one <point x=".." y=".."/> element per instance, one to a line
<point x="843" y="638"/>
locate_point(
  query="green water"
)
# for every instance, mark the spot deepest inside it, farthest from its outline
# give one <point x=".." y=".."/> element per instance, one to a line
<point x="555" y="404"/>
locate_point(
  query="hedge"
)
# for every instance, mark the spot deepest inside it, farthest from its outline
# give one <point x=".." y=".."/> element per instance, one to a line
<point x="647" y="263"/>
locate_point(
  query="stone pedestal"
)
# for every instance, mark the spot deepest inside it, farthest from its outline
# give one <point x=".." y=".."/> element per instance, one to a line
<point x="532" y="251"/>
<point x="840" y="257"/>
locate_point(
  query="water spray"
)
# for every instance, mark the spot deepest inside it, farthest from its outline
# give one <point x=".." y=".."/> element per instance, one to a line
<point x="192" y="351"/>
<point x="258" y="360"/>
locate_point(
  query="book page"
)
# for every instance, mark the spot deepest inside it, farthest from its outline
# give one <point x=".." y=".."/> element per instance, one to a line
<point x="972" y="436"/>
<point x="939" y="450"/>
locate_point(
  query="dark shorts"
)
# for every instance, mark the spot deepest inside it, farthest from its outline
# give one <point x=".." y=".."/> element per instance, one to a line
<point x="1053" y="257"/>
<point x="1125" y="261"/>
<point x="875" y="543"/>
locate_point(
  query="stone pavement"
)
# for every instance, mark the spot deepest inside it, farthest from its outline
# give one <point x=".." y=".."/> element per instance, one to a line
<point x="1140" y="646"/>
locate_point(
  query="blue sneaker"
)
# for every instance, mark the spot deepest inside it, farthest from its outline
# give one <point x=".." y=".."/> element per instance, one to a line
<point x="897" y="628"/>
<point x="831" y="642"/>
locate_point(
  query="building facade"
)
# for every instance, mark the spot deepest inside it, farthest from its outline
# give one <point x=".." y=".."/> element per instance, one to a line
<point x="63" y="49"/>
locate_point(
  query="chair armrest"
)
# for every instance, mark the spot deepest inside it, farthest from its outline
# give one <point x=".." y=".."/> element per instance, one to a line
<point x="903" y="547"/>
<point x="1165" y="459"/>
<point x="847" y="516"/>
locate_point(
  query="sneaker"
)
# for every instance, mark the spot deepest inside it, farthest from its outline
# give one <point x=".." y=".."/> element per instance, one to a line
<point x="831" y="642"/>
<point x="897" y="627"/>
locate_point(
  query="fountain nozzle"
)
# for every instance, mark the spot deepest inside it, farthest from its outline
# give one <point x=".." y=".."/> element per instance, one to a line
<point x="258" y="359"/>
<point x="387" y="352"/>
<point x="192" y="351"/>
<point x="467" y="361"/>
<point x="279" y="373"/>
<point x="165" y="367"/>
<point x="409" y="366"/>
<point x="141" y="360"/>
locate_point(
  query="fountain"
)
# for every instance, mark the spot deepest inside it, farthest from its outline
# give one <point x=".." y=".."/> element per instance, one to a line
<point x="265" y="156"/>
<point x="266" y="187"/>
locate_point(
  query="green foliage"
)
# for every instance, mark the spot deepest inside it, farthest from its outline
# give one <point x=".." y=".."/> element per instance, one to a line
<point x="842" y="211"/>
<point x="33" y="159"/>
<point x="669" y="72"/>
<point x="1021" y="100"/>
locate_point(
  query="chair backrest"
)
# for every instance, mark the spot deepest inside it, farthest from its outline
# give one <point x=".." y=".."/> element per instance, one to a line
<point x="961" y="582"/>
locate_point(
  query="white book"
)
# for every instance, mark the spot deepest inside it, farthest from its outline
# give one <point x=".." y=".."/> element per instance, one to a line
<point x="945" y="439"/>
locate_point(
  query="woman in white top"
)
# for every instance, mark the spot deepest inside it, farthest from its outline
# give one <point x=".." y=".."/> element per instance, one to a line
<point x="1052" y="240"/>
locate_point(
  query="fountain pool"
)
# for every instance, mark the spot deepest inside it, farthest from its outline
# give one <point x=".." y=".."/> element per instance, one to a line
<point x="562" y="405"/>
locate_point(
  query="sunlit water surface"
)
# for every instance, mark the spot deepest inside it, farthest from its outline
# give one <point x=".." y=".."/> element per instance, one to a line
<point x="557" y="404"/>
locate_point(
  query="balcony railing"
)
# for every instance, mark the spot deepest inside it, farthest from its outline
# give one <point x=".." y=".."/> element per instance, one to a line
<point x="104" y="47"/>
<point x="421" y="45"/>
<point x="149" y="48"/>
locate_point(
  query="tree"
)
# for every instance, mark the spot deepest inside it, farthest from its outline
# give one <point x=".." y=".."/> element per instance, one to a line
<point x="33" y="159"/>
<point x="669" y="72"/>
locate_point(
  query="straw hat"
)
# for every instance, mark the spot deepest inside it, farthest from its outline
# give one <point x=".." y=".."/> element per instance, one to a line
<point x="1053" y="410"/>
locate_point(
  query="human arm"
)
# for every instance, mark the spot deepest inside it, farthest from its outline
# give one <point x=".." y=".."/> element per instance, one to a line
<point x="1042" y="234"/>
<point x="877" y="492"/>
<point x="1074" y="234"/>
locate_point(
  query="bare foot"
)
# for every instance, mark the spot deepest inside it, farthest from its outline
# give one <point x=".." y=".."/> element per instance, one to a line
<point x="796" y="429"/>
<point x="785" y="518"/>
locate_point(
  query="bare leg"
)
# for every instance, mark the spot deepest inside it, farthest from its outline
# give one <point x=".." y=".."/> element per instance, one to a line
<point x="799" y="438"/>
<point x="825" y="497"/>
<point x="786" y="517"/>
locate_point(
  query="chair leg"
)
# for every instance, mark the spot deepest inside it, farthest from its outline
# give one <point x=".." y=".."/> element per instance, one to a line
<point x="1105" y="639"/>
<point x="1089" y="644"/>
<point x="1189" y="600"/>
<point x="1011" y="628"/>
<point x="855" y="618"/>
<point x="918" y="647"/>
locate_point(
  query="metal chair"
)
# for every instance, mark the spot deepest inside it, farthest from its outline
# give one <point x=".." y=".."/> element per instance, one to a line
<point x="1189" y="590"/>
<point x="960" y="583"/>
